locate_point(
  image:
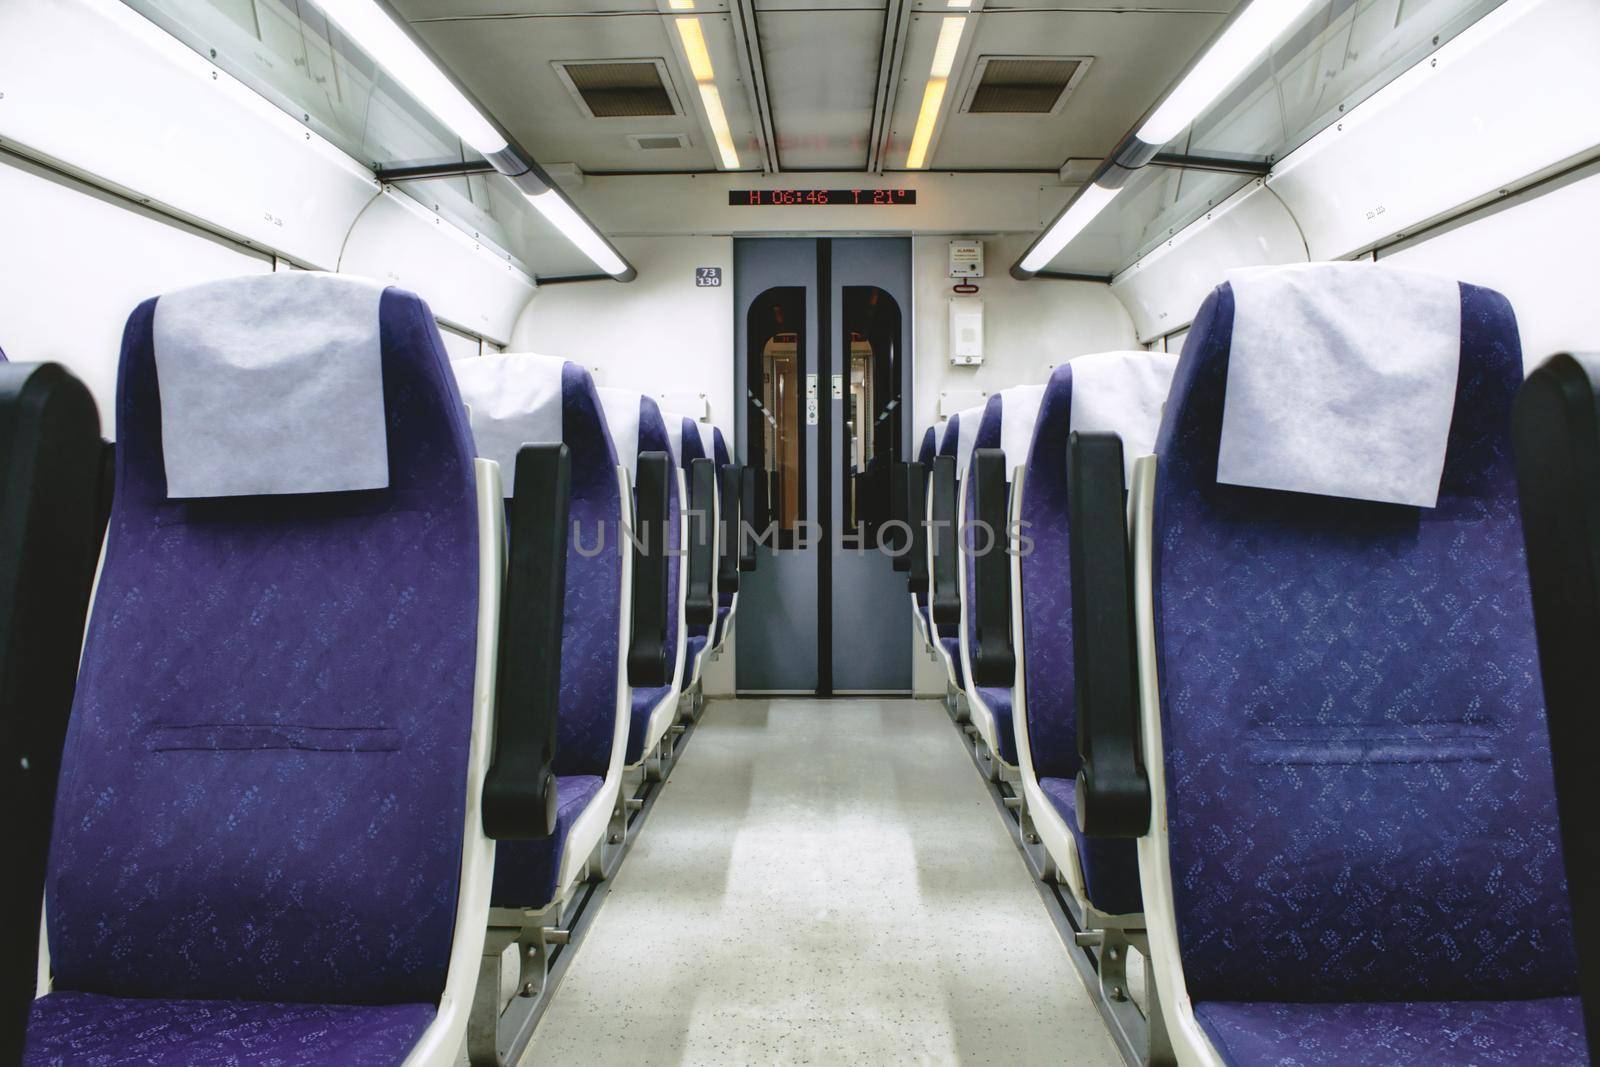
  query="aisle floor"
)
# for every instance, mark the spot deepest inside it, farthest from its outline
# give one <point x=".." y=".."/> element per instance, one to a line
<point x="823" y="882"/>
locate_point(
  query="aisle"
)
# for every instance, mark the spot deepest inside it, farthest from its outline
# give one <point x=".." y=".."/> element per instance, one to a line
<point x="823" y="882"/>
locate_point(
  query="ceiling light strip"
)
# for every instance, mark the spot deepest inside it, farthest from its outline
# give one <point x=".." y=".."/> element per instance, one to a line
<point x="381" y="34"/>
<point x="705" y="78"/>
<point x="1242" y="41"/>
<point x="944" y="60"/>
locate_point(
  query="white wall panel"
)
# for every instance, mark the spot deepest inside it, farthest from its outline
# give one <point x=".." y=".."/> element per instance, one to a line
<point x="657" y="334"/>
<point x="1028" y="326"/>
<point x="1539" y="252"/>
<point x="1164" y="289"/>
<point x="399" y="242"/>
<point x="95" y="87"/>
<point x="75" y="262"/>
<point x="1509" y="98"/>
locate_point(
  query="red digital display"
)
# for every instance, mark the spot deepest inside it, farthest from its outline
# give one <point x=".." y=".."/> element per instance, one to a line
<point x="820" y="197"/>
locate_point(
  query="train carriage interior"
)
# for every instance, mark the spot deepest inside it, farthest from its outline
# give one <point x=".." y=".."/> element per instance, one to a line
<point x="801" y="532"/>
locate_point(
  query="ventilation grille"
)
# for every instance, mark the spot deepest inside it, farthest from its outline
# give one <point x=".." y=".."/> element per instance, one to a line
<point x="651" y="141"/>
<point x="626" y="89"/>
<point x="1022" y="85"/>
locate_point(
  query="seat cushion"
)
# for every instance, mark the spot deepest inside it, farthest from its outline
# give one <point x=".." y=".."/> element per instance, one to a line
<point x="525" y="871"/>
<point x="952" y="649"/>
<point x="645" y="703"/>
<point x="691" y="658"/>
<point x="1110" y="865"/>
<point x="998" y="700"/>
<point x="1445" y="1033"/>
<point x="96" y="1031"/>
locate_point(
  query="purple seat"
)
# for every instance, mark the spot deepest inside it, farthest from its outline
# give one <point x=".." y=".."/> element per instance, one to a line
<point x="1439" y="1033"/>
<point x="526" y="399"/>
<point x="1048" y="753"/>
<point x="1007" y="424"/>
<point x="70" y="1029"/>
<point x="263" y="792"/>
<point x="1361" y="824"/>
<point x="947" y="644"/>
<point x="926" y="451"/>
<point x="693" y="446"/>
<point x="652" y="435"/>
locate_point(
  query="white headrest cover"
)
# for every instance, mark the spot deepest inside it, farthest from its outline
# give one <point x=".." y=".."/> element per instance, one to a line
<point x="1341" y="381"/>
<point x="514" y="400"/>
<point x="708" y="439"/>
<point x="966" y="435"/>
<point x="938" y="434"/>
<point x="272" y="384"/>
<point x="1122" y="393"/>
<point x="1019" y="412"/>
<point x="622" y="419"/>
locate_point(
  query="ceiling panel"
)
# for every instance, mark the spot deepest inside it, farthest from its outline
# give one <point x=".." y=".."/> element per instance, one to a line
<point x="445" y="10"/>
<point x="822" y="74"/>
<point x="509" y="64"/>
<point x="1136" y="54"/>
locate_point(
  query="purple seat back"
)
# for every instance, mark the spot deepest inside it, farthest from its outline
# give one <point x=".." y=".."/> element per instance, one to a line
<point x="692" y="446"/>
<point x="928" y="448"/>
<point x="1358" y="776"/>
<point x="653" y="438"/>
<point x="1046" y="571"/>
<point x="719" y="448"/>
<point x="1047" y="589"/>
<point x="263" y="789"/>
<point x="986" y="436"/>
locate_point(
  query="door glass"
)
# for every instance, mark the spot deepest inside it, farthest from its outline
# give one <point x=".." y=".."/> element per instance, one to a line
<point x="777" y="416"/>
<point x="871" y="410"/>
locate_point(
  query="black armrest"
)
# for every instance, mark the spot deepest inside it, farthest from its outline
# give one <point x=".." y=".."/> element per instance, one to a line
<point x="1555" y="436"/>
<point x="993" y="661"/>
<point x="917" y="516"/>
<point x="700" y="608"/>
<point x="946" y="608"/>
<point x="51" y="527"/>
<point x="1113" y="792"/>
<point x="729" y="480"/>
<point x="751" y="510"/>
<point x="519" y="792"/>
<point x="894" y="540"/>
<point x="647" y="645"/>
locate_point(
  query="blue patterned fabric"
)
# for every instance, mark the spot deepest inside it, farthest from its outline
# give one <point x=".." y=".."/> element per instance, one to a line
<point x="653" y="438"/>
<point x="925" y="451"/>
<point x="590" y="646"/>
<point x="525" y="871"/>
<point x="645" y="703"/>
<point x="263" y="787"/>
<point x="988" y="437"/>
<point x="692" y="449"/>
<point x="1110" y="866"/>
<point x="719" y="448"/>
<point x="1358" y="777"/>
<point x="1050" y="659"/>
<point x="85" y="1030"/>
<point x="1420" y="1034"/>
<point x="525" y="876"/>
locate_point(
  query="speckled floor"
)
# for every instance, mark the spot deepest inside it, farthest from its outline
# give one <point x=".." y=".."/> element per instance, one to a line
<point x="823" y="882"/>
